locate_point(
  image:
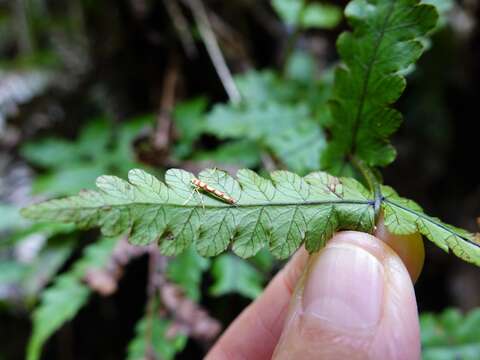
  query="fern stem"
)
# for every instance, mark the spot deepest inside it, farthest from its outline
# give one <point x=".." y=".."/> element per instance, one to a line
<point x="425" y="217"/>
<point x="368" y="73"/>
<point x="372" y="182"/>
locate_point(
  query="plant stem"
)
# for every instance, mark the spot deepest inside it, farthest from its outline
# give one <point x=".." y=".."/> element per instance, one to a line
<point x="181" y="26"/>
<point x="372" y="182"/>
<point x="213" y="49"/>
<point x="22" y="24"/>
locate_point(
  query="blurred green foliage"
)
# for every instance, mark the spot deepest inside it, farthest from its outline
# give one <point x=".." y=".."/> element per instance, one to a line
<point x="68" y="293"/>
<point x="234" y="275"/>
<point x="281" y="114"/>
<point x="300" y="13"/>
<point x="187" y="271"/>
<point x="451" y="335"/>
<point x="101" y="148"/>
<point x="151" y="338"/>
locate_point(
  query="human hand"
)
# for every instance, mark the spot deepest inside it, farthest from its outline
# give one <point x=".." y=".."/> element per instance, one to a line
<point x="352" y="300"/>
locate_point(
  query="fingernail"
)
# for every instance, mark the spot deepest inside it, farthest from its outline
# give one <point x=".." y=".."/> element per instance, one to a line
<point x="345" y="287"/>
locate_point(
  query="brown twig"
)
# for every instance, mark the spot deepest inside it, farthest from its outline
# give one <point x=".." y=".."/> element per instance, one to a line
<point x="232" y="40"/>
<point x="188" y="317"/>
<point x="139" y="9"/>
<point x="211" y="44"/>
<point x="181" y="27"/>
<point x="105" y="280"/>
<point x="265" y="18"/>
<point x="268" y="162"/>
<point x="161" y="137"/>
<point x="24" y="36"/>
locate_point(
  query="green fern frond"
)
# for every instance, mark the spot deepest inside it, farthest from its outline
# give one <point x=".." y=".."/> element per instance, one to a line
<point x="280" y="213"/>
<point x="66" y="296"/>
<point x="404" y="216"/>
<point x="385" y="42"/>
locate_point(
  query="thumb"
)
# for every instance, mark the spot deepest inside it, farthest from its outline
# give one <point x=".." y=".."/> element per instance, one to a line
<point x="355" y="301"/>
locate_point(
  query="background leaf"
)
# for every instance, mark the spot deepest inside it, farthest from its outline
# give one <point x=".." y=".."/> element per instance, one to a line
<point x="285" y="130"/>
<point x="232" y="275"/>
<point x="323" y="16"/>
<point x="282" y="115"/>
<point x="72" y="166"/>
<point x="186" y="270"/>
<point x="153" y="332"/>
<point x="66" y="296"/>
<point x="450" y="335"/>
<point x="302" y="14"/>
<point x="189" y="120"/>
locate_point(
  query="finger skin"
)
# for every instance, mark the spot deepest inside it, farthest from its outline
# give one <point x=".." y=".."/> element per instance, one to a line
<point x="256" y="332"/>
<point x="395" y="335"/>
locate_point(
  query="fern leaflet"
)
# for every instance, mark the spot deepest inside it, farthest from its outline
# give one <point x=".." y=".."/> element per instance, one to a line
<point x="68" y="294"/>
<point x="280" y="213"/>
<point x="385" y="42"/>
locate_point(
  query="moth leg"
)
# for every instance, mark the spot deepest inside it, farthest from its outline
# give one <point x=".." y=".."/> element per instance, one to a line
<point x="191" y="196"/>
<point x="201" y="198"/>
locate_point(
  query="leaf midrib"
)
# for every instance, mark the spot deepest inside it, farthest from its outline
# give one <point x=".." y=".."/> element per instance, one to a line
<point x="429" y="219"/>
<point x="224" y="206"/>
<point x="358" y="117"/>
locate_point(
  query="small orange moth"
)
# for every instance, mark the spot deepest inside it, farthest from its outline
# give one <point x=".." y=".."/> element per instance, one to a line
<point x="199" y="184"/>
